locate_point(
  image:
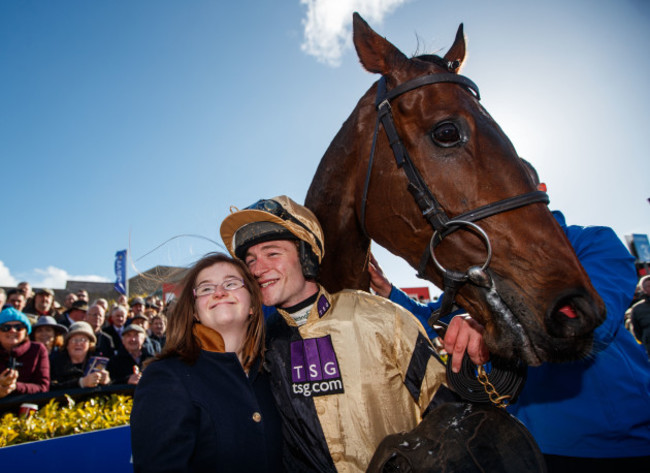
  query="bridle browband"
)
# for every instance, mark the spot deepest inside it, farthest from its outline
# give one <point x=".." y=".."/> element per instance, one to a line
<point x="431" y="209"/>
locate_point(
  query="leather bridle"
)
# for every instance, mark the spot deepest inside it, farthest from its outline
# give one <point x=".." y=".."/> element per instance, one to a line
<point x="431" y="209"/>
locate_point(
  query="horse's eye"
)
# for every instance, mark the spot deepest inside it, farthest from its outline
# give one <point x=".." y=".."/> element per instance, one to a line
<point x="446" y="134"/>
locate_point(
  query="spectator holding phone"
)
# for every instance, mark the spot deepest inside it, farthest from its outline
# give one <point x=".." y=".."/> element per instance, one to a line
<point x="69" y="367"/>
<point x="24" y="365"/>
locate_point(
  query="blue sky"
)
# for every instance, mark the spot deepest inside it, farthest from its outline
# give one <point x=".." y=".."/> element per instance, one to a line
<point x="124" y="124"/>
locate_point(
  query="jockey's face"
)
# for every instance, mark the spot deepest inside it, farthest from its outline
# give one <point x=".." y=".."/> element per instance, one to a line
<point x="276" y="267"/>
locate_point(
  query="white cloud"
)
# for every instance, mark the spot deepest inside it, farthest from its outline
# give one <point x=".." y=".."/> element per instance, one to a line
<point x="6" y="279"/>
<point x="52" y="277"/>
<point x="328" y="24"/>
<point x="56" y="278"/>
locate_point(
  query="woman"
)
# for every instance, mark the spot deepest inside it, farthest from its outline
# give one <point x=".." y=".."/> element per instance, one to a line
<point x="24" y="366"/>
<point x="68" y="367"/>
<point x="205" y="395"/>
<point x="48" y="332"/>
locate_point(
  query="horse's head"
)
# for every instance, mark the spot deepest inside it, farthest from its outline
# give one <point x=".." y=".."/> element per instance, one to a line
<point x="545" y="307"/>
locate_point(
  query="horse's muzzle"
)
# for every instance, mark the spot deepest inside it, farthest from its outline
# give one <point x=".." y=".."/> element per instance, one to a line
<point x="574" y="316"/>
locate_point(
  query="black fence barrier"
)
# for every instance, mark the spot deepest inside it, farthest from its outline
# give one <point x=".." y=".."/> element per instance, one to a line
<point x="12" y="403"/>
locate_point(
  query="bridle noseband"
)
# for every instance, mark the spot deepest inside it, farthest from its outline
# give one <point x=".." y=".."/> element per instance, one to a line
<point x="427" y="202"/>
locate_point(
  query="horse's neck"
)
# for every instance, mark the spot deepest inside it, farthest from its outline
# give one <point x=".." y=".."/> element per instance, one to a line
<point x="332" y="197"/>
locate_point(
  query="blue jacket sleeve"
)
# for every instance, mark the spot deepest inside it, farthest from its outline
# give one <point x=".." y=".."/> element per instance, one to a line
<point x="421" y="311"/>
<point x="610" y="267"/>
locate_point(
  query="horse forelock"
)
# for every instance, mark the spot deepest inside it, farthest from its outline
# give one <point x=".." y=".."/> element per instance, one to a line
<point x="433" y="59"/>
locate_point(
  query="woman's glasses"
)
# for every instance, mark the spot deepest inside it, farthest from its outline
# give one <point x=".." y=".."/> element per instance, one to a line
<point x="9" y="327"/>
<point x="229" y="285"/>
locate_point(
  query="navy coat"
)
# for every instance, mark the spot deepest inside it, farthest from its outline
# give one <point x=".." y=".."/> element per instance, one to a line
<point x="206" y="417"/>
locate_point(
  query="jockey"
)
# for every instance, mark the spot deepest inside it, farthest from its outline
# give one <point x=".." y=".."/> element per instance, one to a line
<point x="347" y="369"/>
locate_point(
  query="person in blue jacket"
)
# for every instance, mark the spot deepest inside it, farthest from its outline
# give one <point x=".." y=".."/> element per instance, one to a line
<point x="205" y="404"/>
<point x="592" y="413"/>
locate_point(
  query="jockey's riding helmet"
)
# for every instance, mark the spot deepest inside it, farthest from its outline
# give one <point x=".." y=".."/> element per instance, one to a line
<point x="278" y="218"/>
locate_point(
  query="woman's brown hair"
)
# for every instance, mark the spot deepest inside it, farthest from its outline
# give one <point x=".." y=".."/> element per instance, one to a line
<point x="182" y="342"/>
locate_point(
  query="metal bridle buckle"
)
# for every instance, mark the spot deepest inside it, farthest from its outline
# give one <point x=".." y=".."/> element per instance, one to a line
<point x="459" y="223"/>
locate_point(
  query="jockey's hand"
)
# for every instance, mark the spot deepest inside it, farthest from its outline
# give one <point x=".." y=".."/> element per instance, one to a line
<point x="465" y="334"/>
<point x="378" y="280"/>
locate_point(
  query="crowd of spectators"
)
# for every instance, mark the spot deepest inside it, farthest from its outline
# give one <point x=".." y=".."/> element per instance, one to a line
<point x="73" y="333"/>
<point x="50" y="346"/>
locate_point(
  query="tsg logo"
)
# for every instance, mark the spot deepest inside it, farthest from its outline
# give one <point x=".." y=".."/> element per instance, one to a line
<point x="314" y="368"/>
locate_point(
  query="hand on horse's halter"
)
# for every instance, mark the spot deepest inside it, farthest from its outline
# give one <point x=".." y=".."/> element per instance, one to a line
<point x="465" y="333"/>
<point x="378" y="280"/>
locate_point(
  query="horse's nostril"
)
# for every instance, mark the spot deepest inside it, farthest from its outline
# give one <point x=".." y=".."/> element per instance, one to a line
<point x="572" y="316"/>
<point x="568" y="311"/>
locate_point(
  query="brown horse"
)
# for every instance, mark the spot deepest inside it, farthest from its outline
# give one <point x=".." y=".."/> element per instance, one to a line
<point x="536" y="303"/>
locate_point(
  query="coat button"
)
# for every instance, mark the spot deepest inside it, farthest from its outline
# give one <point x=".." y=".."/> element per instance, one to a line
<point x="257" y="417"/>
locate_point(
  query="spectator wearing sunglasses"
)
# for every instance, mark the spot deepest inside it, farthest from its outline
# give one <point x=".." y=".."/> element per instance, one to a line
<point x="24" y="365"/>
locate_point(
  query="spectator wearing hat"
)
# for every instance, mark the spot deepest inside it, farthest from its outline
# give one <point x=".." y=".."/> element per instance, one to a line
<point x="143" y="321"/>
<point x="77" y="313"/>
<point x="116" y="324"/>
<point x="152" y="306"/>
<point x="126" y="366"/>
<point x="105" y="345"/>
<point x="16" y="299"/>
<point x="24" y="365"/>
<point x="137" y="306"/>
<point x="47" y="331"/>
<point x="41" y="304"/>
<point x="69" y="365"/>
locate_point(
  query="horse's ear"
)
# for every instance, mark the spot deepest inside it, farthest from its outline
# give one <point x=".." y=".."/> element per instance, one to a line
<point x="375" y="53"/>
<point x="456" y="54"/>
